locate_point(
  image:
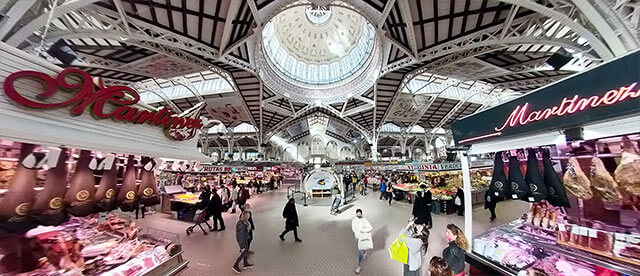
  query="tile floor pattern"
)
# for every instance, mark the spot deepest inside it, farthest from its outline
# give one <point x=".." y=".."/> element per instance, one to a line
<point x="328" y="246"/>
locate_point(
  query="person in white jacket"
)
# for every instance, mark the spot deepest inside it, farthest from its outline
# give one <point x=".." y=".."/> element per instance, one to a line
<point x="234" y="198"/>
<point x="362" y="230"/>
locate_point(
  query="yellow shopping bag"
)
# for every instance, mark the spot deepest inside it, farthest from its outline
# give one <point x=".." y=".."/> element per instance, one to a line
<point x="399" y="250"/>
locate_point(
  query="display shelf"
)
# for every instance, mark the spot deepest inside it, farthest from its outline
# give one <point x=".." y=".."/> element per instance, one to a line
<point x="170" y="267"/>
<point x="473" y="259"/>
<point x="611" y="262"/>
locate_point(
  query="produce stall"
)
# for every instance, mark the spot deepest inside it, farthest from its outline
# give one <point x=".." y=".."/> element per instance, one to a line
<point x="571" y="149"/>
<point x="61" y="170"/>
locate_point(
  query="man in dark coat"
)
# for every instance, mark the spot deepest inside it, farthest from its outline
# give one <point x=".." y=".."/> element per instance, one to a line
<point x="490" y="203"/>
<point x="215" y="208"/>
<point x="243" y="196"/>
<point x="422" y="207"/>
<point x="291" y="220"/>
<point x="460" y="208"/>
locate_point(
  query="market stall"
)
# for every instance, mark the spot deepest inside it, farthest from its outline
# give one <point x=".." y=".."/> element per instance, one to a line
<point x="571" y="149"/>
<point x="64" y="166"/>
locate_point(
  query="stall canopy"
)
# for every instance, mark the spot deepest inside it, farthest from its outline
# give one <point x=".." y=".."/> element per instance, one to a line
<point x="585" y="100"/>
<point x="58" y="127"/>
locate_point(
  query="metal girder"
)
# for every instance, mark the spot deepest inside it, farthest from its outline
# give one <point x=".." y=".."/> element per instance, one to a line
<point x="14" y="14"/>
<point x="628" y="11"/>
<point x="39" y="22"/>
<point x="539" y="81"/>
<point x="555" y="13"/>
<point x="405" y="12"/>
<point x="105" y="23"/>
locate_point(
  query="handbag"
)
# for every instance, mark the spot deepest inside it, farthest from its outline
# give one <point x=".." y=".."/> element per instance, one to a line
<point x="399" y="250"/>
<point x="365" y="242"/>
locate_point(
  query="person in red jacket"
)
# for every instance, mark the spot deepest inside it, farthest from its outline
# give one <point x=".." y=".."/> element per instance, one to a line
<point x="243" y="197"/>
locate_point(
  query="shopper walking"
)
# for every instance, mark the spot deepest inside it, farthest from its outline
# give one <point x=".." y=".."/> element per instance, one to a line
<point x="365" y="183"/>
<point x="439" y="267"/>
<point x="454" y="253"/>
<point x="383" y="188"/>
<point x="234" y="197"/>
<point x="225" y="196"/>
<point x="243" y="196"/>
<point x="490" y="203"/>
<point x="390" y="193"/>
<point x="242" y="237"/>
<point x="459" y="202"/>
<point x="215" y="207"/>
<point x="247" y="208"/>
<point x="417" y="237"/>
<point x="362" y="230"/>
<point x="422" y="209"/>
<point x="291" y="220"/>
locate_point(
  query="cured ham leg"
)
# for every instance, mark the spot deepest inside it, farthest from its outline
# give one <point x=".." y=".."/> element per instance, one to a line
<point x="148" y="190"/>
<point x="106" y="194"/>
<point x="16" y="205"/>
<point x="79" y="198"/>
<point x="628" y="172"/>
<point x="603" y="183"/>
<point x="537" y="187"/>
<point x="48" y="209"/>
<point x="127" y="197"/>
<point x="575" y="181"/>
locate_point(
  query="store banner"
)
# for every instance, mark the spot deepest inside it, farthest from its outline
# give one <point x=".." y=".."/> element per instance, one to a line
<point x="610" y="90"/>
<point x="433" y="167"/>
<point x="113" y="102"/>
<point x="214" y="169"/>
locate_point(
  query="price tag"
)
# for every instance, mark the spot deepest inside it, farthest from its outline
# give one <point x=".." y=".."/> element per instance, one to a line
<point x="593" y="233"/>
<point x="514" y="196"/>
<point x="561" y="227"/>
<point x="532" y="199"/>
<point x="575" y="229"/>
<point x="584" y="231"/>
<point x="620" y="236"/>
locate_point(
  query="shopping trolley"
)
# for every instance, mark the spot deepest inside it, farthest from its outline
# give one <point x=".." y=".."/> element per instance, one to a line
<point x="199" y="218"/>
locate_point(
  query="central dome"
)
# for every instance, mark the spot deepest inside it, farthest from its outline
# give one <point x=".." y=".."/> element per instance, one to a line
<point x="318" y="45"/>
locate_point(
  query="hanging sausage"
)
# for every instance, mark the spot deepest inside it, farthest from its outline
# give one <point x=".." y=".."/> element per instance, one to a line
<point x="127" y="198"/>
<point x="519" y="188"/>
<point x="148" y="190"/>
<point x="557" y="195"/>
<point x="499" y="187"/>
<point x="15" y="206"/>
<point x="79" y="198"/>
<point x="537" y="188"/>
<point x="106" y="194"/>
<point x="48" y="208"/>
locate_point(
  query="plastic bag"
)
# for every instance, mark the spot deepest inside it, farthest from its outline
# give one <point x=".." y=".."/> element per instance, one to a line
<point x="399" y="250"/>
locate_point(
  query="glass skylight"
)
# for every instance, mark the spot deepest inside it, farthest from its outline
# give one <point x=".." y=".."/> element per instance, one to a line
<point x="318" y="74"/>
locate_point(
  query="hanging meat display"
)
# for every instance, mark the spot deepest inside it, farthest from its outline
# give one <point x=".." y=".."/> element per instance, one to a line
<point x="628" y="172"/>
<point x="609" y="162"/>
<point x="16" y="205"/>
<point x="602" y="182"/>
<point x="106" y="194"/>
<point x="148" y="190"/>
<point x="537" y="187"/>
<point x="79" y="198"/>
<point x="48" y="208"/>
<point x="576" y="181"/>
<point x="519" y="188"/>
<point x="499" y="187"/>
<point x="127" y="198"/>
<point x="557" y="195"/>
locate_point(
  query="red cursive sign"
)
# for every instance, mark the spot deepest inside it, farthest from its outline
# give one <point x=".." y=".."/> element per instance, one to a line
<point x="100" y="100"/>
<point x="571" y="105"/>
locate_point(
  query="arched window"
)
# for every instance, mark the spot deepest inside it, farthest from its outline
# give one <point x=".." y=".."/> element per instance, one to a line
<point x="332" y="150"/>
<point x="317" y="145"/>
<point x="303" y="150"/>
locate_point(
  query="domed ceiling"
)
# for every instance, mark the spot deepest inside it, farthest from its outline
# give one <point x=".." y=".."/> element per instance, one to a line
<point x="318" y="45"/>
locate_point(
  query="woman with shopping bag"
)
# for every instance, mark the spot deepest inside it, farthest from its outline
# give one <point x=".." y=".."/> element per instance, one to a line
<point x="410" y="246"/>
<point x="362" y="230"/>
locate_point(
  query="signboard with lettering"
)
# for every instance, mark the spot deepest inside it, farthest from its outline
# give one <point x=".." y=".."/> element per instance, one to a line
<point x="433" y="167"/>
<point x="607" y="91"/>
<point x="113" y="102"/>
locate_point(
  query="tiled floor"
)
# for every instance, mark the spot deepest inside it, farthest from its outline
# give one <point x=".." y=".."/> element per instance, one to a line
<point x="328" y="246"/>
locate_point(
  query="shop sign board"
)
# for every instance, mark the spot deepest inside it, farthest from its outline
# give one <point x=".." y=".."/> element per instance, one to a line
<point x="434" y="167"/>
<point x="214" y="169"/>
<point x="114" y="102"/>
<point x="607" y="91"/>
